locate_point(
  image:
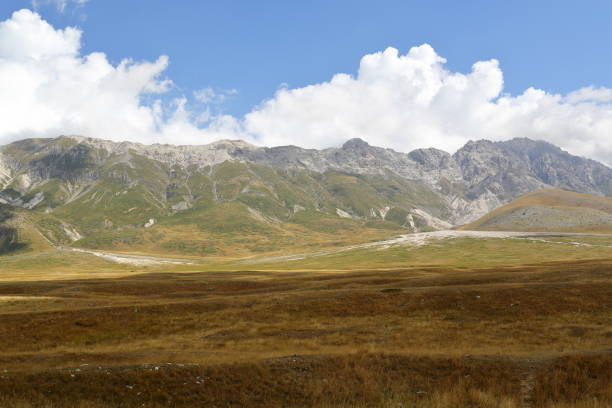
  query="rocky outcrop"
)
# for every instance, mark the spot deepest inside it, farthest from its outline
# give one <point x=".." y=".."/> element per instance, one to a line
<point x="498" y="172"/>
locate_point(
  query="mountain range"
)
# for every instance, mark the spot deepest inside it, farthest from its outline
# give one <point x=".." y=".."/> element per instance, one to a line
<point x="197" y="199"/>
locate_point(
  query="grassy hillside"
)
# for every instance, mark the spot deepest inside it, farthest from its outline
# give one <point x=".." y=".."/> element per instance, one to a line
<point x="550" y="210"/>
<point x="120" y="199"/>
<point x="25" y="231"/>
<point x="233" y="230"/>
<point x="231" y="209"/>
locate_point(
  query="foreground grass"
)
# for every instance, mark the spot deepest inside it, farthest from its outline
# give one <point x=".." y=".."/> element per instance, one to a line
<point x="496" y="333"/>
<point x="455" y="323"/>
<point x="355" y="380"/>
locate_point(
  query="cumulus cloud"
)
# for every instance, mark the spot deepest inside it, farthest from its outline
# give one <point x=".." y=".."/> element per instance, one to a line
<point x="412" y="100"/>
<point x="48" y="88"/>
<point x="402" y="101"/>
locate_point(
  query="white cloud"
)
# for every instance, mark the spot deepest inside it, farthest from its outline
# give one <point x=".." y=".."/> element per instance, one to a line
<point x="402" y="101"/>
<point x="47" y="88"/>
<point x="209" y="95"/>
<point x="412" y="100"/>
<point x="205" y="95"/>
<point x="61" y="5"/>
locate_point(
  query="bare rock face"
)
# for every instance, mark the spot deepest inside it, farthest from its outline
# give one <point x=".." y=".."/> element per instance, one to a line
<point x="486" y="166"/>
<point x="505" y="170"/>
<point x="458" y="188"/>
<point x="5" y="172"/>
<point x="476" y="179"/>
<point x="558" y="168"/>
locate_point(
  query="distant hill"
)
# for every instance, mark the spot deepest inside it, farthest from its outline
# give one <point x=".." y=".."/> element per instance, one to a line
<point x="550" y="210"/>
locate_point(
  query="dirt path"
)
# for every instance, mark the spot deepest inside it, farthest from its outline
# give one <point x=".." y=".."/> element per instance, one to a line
<point x="528" y="380"/>
<point x="527" y="386"/>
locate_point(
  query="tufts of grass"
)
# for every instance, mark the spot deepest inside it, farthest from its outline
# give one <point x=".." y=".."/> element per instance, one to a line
<point x="429" y="336"/>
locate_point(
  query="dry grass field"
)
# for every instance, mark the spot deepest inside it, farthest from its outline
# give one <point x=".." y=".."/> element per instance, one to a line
<point x="430" y="329"/>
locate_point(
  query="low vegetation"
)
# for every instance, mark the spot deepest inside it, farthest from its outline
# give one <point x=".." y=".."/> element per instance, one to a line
<point x="550" y="210"/>
<point x="441" y="325"/>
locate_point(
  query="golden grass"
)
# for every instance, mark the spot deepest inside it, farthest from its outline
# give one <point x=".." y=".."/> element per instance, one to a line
<point x="463" y="323"/>
<point x="350" y="380"/>
<point x="447" y="253"/>
<point x="283" y="238"/>
<point x="550" y="198"/>
<point x="420" y="336"/>
<point x="450" y="254"/>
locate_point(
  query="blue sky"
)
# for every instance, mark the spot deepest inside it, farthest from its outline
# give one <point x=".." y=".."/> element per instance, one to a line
<point x="254" y="46"/>
<point x="245" y="51"/>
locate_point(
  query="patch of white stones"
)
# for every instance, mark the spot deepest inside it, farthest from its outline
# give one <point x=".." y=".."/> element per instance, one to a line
<point x="139" y="260"/>
<point x="424" y="238"/>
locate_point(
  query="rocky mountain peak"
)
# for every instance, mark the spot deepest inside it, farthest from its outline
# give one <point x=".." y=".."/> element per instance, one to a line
<point x="355" y="144"/>
<point x="475" y="145"/>
<point x="228" y="144"/>
<point x="431" y="158"/>
<point x="529" y="146"/>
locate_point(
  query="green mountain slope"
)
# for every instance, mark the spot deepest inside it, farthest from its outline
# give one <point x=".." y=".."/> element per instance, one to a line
<point x="81" y="195"/>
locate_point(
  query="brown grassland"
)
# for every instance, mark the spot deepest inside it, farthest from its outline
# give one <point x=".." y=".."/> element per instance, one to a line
<point x="572" y="204"/>
<point x="520" y="325"/>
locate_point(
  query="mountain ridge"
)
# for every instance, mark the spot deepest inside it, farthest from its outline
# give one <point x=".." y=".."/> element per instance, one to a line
<point x="96" y="187"/>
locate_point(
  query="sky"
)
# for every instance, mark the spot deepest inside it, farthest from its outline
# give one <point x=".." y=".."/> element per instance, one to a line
<point x="398" y="74"/>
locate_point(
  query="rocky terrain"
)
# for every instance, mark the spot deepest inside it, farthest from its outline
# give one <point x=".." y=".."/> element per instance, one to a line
<point x="83" y="187"/>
